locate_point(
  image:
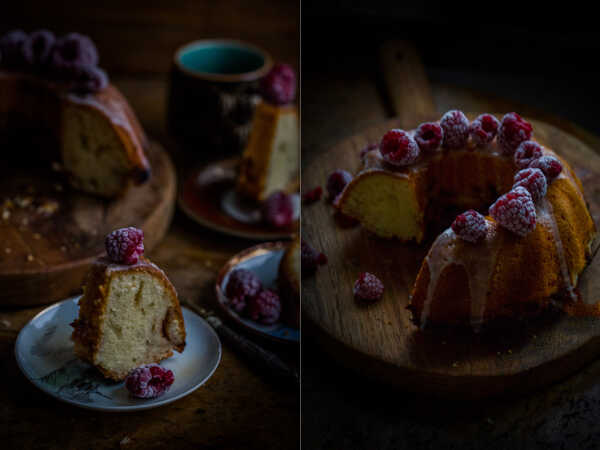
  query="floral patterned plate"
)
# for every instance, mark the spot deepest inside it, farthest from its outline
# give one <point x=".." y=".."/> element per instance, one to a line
<point x="44" y="353"/>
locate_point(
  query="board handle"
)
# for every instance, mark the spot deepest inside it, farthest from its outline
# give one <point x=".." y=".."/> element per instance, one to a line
<point x="406" y="84"/>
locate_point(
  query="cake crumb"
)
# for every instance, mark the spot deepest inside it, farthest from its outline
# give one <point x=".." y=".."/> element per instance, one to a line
<point x="509" y="351"/>
<point x="30" y="257"/>
<point x="25" y="222"/>
<point x="455" y="364"/>
<point x="37" y="236"/>
<point x="63" y="248"/>
<point x="7" y="250"/>
<point x="23" y="202"/>
<point x="5" y="214"/>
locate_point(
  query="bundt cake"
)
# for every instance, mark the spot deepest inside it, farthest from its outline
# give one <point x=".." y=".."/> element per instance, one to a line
<point x="524" y="257"/>
<point x="270" y="161"/>
<point x="289" y="283"/>
<point x="72" y="116"/>
<point x="129" y="314"/>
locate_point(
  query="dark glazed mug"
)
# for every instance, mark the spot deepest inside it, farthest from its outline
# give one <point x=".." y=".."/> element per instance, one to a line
<point x="212" y="95"/>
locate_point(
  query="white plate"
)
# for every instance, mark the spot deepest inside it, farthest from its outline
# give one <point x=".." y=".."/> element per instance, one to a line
<point x="44" y="353"/>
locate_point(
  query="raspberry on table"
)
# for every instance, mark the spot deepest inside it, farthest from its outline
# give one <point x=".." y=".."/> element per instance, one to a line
<point x="429" y="136"/>
<point x="366" y="149"/>
<point x="548" y="164"/>
<point x="483" y="129"/>
<point x="455" y="126"/>
<point x="513" y="130"/>
<point x="38" y="47"/>
<point x="149" y="381"/>
<point x="265" y="307"/>
<point x="533" y="180"/>
<point x="368" y="288"/>
<point x="278" y="210"/>
<point x="337" y="181"/>
<point x="515" y="211"/>
<point x="526" y="152"/>
<point x="125" y="245"/>
<point x="310" y="259"/>
<point x="470" y="226"/>
<point x="314" y="195"/>
<point x="279" y="85"/>
<point x="86" y="79"/>
<point x="73" y="49"/>
<point x="11" y="48"/>
<point x="242" y="286"/>
<point x="399" y="148"/>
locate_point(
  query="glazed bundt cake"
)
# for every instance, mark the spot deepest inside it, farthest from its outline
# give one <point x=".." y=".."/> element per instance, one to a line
<point x="524" y="257"/>
<point x="69" y="113"/>
<point x="129" y="314"/>
<point x="289" y="283"/>
<point x="270" y="161"/>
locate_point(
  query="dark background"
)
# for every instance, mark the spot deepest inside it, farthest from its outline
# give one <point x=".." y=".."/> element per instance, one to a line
<point x="526" y="54"/>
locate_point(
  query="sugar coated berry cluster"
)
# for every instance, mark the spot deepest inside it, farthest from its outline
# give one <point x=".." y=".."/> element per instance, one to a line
<point x="246" y="295"/>
<point x="70" y="60"/>
<point x="125" y="245"/>
<point x="149" y="381"/>
<point x="278" y="210"/>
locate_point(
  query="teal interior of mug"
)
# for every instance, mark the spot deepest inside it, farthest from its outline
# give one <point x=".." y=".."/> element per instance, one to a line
<point x="221" y="58"/>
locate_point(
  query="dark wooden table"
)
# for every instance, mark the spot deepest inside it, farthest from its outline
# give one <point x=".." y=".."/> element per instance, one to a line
<point x="238" y="408"/>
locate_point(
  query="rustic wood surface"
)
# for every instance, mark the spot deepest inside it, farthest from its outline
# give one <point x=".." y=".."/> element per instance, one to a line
<point x="238" y="408"/>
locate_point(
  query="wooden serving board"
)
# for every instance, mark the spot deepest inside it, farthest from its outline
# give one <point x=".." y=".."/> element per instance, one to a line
<point x="381" y="342"/>
<point x="50" y="234"/>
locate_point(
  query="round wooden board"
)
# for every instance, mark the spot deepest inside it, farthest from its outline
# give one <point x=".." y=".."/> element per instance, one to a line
<point x="51" y="233"/>
<point x="381" y="342"/>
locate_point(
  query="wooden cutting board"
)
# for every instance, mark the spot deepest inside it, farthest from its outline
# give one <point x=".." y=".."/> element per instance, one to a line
<point x="379" y="340"/>
<point x="50" y="234"/>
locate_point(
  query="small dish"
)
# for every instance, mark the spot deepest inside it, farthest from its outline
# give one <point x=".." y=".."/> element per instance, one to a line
<point x="208" y="197"/>
<point x="263" y="260"/>
<point x="44" y="353"/>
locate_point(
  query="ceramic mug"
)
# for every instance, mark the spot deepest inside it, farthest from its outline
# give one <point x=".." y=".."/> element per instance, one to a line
<point x="212" y="95"/>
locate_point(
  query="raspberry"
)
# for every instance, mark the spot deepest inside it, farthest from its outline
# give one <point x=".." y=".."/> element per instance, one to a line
<point x="513" y="130"/>
<point x="125" y="245"/>
<point x="368" y="287"/>
<point x="483" y="129"/>
<point x="279" y="85"/>
<point x="515" y="211"/>
<point x="368" y="148"/>
<point x="38" y="47"/>
<point x="527" y="152"/>
<point x="85" y="79"/>
<point x="314" y="195"/>
<point x="11" y="48"/>
<point x="73" y="49"/>
<point x="429" y="136"/>
<point x="278" y="210"/>
<point x="265" y="307"/>
<point x="399" y="148"/>
<point x="456" y="129"/>
<point x="149" y="381"/>
<point x="337" y="181"/>
<point x="241" y="287"/>
<point x="470" y="226"/>
<point x="534" y="181"/>
<point x="550" y="165"/>
<point x="310" y="259"/>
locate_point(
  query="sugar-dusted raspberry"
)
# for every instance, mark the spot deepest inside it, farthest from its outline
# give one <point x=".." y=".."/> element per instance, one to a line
<point x="73" y="49"/>
<point x="279" y="85"/>
<point x="278" y="209"/>
<point x="513" y="130"/>
<point x="149" y="381"/>
<point x="11" y="48"/>
<point x="367" y="148"/>
<point x="399" y="148"/>
<point x="515" y="211"/>
<point x="337" y="181"/>
<point x="368" y="287"/>
<point x="38" y="47"/>
<point x="483" y="129"/>
<point x="125" y="245"/>
<point x="470" y="226"/>
<point x="533" y="180"/>
<point x="526" y="152"/>
<point x="314" y="195"/>
<point x="456" y="129"/>
<point x="429" y="136"/>
<point x="548" y="164"/>
<point x="310" y="259"/>
<point x="265" y="307"/>
<point x="85" y="79"/>
<point x="242" y="285"/>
